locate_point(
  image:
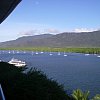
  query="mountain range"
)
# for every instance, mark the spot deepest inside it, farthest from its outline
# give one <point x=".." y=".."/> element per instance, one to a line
<point x="66" y="39"/>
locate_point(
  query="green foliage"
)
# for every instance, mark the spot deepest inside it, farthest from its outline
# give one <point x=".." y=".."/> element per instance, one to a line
<point x="48" y="49"/>
<point x="33" y="85"/>
<point x="79" y="95"/>
<point x="97" y="97"/>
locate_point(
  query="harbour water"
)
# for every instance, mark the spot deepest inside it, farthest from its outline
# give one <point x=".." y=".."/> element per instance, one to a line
<point x="75" y="70"/>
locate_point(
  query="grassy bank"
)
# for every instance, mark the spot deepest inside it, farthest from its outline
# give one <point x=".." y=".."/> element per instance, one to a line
<point x="48" y="49"/>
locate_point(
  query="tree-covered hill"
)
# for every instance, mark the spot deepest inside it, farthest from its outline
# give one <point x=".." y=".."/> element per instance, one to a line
<point x="84" y="39"/>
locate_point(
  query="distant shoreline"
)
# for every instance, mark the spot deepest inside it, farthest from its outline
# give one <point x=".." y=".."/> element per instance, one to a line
<point x="56" y="49"/>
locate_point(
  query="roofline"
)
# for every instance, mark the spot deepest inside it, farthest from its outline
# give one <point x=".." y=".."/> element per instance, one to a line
<point x="10" y="9"/>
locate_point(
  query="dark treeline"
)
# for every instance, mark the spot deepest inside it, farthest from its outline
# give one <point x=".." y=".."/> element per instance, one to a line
<point x="33" y="85"/>
<point x="17" y="84"/>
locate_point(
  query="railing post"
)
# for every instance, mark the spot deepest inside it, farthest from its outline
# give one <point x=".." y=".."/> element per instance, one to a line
<point x="2" y="97"/>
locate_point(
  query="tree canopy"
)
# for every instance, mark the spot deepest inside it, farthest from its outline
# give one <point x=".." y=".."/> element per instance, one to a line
<point x="33" y="85"/>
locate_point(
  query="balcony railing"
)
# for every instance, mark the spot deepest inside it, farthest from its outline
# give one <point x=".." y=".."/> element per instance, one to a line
<point x="2" y="97"/>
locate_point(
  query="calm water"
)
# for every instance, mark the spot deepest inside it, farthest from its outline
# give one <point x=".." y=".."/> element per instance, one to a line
<point x="73" y="71"/>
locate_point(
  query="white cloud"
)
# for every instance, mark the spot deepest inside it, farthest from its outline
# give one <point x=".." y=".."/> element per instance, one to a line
<point x="54" y="31"/>
<point x="30" y="32"/>
<point x="38" y="31"/>
<point x="84" y="30"/>
<point x="35" y="29"/>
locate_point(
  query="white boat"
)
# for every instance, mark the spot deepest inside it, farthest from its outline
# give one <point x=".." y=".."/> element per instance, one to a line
<point x="41" y="52"/>
<point x="50" y="54"/>
<point x="13" y="52"/>
<point x="32" y="52"/>
<point x="36" y="53"/>
<point x="98" y="56"/>
<point x="9" y="52"/>
<point x="17" y="51"/>
<point x="65" y="54"/>
<point x="24" y="52"/>
<point x="59" y="53"/>
<point x="17" y="63"/>
<point x="87" y="54"/>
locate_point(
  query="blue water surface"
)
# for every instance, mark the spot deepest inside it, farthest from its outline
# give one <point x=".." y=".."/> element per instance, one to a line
<point x="74" y="70"/>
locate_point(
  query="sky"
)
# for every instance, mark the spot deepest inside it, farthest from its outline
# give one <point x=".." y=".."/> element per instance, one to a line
<point x="33" y="17"/>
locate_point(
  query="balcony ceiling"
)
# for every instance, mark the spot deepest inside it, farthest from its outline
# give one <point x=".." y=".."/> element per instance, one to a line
<point x="6" y="7"/>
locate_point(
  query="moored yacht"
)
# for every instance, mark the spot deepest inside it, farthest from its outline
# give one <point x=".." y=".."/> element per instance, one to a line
<point x="36" y="53"/>
<point x="17" y="63"/>
<point x="50" y="54"/>
<point x="59" y="53"/>
<point x="87" y="54"/>
<point x="98" y="56"/>
<point x="65" y="54"/>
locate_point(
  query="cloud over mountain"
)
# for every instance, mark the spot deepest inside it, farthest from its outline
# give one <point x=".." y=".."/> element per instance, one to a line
<point x="39" y="31"/>
<point x="66" y="39"/>
<point x="84" y="30"/>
